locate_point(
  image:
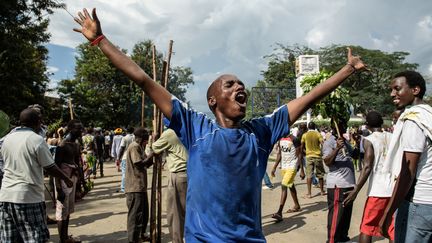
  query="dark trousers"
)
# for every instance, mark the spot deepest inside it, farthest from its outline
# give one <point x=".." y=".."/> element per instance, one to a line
<point x="339" y="217"/>
<point x="100" y="158"/>
<point x="138" y="215"/>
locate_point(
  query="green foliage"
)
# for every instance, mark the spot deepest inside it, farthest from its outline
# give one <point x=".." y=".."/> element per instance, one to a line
<point x="103" y="96"/>
<point x="23" y="57"/>
<point x="4" y="123"/>
<point x="54" y="126"/>
<point x="336" y="105"/>
<point x="326" y="123"/>
<point x="281" y="65"/>
<point x="365" y="89"/>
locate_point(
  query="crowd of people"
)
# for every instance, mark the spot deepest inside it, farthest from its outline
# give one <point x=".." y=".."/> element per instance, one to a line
<point x="217" y="166"/>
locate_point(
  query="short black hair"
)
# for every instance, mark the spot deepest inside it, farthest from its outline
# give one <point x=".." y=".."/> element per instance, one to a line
<point x="37" y="107"/>
<point x="130" y="129"/>
<point x="29" y="117"/>
<point x="413" y="79"/>
<point x="311" y="125"/>
<point x="212" y="90"/>
<point x="141" y="133"/>
<point x="71" y="123"/>
<point x="374" y="119"/>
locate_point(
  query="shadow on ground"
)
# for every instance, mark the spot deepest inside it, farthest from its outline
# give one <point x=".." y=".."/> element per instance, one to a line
<point x="292" y="221"/>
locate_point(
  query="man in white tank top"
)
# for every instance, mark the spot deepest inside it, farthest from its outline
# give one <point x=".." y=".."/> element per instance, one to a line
<point x="289" y="156"/>
<point x="379" y="191"/>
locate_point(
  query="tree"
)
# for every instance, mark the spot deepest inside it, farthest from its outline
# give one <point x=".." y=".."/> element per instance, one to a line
<point x="103" y="96"/>
<point x="281" y="65"/>
<point x="365" y="89"/>
<point x="336" y="105"/>
<point x="179" y="77"/>
<point x="23" y="58"/>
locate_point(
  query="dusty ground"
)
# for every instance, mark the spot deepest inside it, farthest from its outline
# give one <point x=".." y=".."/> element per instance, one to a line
<point x="101" y="216"/>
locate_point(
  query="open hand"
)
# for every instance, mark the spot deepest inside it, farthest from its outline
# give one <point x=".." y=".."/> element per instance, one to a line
<point x="350" y="198"/>
<point x="355" y="61"/>
<point x="340" y="143"/>
<point x="69" y="183"/>
<point x="90" y="27"/>
<point x="384" y="224"/>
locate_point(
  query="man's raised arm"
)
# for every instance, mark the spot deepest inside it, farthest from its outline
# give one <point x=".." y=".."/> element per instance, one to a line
<point x="298" y="107"/>
<point x="91" y="29"/>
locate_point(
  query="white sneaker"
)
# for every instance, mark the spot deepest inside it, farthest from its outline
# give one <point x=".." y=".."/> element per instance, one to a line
<point x="267" y="188"/>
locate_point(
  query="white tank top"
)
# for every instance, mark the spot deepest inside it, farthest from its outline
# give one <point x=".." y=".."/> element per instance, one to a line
<point x="288" y="154"/>
<point x="379" y="181"/>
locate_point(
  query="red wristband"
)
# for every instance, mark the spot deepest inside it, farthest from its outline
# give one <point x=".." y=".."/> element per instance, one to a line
<point x="97" y="40"/>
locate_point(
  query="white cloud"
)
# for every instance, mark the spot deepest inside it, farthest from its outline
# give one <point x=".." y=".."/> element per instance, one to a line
<point x="390" y="44"/>
<point x="315" y="38"/>
<point x="424" y="32"/>
<point x="52" y="69"/>
<point x="430" y="69"/>
<point x="226" y="36"/>
<point x="426" y="23"/>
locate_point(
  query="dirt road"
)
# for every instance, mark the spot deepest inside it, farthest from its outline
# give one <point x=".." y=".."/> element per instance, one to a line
<point x="101" y="216"/>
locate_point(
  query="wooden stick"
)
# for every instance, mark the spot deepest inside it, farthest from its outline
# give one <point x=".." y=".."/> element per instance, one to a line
<point x="159" y="167"/>
<point x="142" y="108"/>
<point x="339" y="135"/>
<point x="71" y="109"/>
<point x="168" y="63"/>
<point x="153" y="232"/>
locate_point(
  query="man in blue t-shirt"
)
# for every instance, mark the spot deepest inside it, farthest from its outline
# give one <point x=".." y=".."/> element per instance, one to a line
<point x="228" y="156"/>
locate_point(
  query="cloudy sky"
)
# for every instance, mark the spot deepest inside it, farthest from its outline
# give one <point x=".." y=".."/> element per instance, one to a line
<point x="232" y="36"/>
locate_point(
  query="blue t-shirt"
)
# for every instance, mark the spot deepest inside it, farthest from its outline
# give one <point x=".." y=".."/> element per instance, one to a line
<point x="225" y="169"/>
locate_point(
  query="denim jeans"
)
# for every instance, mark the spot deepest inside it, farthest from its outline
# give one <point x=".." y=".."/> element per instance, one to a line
<point x="267" y="181"/>
<point x="123" y="171"/>
<point x="413" y="223"/>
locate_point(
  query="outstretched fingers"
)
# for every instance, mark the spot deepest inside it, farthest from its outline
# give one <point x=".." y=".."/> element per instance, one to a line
<point x="94" y="15"/>
<point x="78" y="21"/>
<point x="87" y="15"/>
<point x="82" y="17"/>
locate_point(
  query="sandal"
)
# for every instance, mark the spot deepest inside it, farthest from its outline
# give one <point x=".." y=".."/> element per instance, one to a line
<point x="72" y="240"/>
<point x="278" y="217"/>
<point x="293" y="210"/>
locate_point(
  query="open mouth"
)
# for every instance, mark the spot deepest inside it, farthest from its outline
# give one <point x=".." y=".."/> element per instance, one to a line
<point x="396" y="101"/>
<point x="241" y="98"/>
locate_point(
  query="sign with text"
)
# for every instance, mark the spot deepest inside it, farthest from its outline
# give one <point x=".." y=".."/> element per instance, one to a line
<point x="308" y="64"/>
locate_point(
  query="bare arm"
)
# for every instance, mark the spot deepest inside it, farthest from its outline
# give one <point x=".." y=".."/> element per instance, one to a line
<point x="278" y="160"/>
<point x="369" y="159"/>
<point x="299" y="154"/>
<point x="91" y="29"/>
<point x="57" y="173"/>
<point x="298" y="107"/>
<point x="120" y="155"/>
<point x="402" y="187"/>
<point x="330" y="159"/>
<point x="145" y="163"/>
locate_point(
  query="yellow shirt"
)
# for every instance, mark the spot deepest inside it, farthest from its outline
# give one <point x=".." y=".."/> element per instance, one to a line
<point x="176" y="153"/>
<point x="312" y="141"/>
